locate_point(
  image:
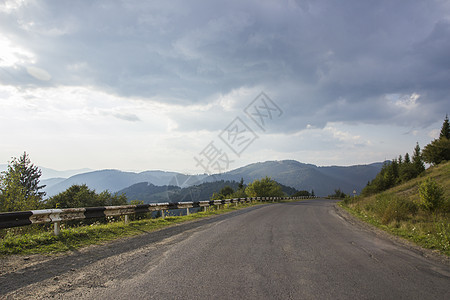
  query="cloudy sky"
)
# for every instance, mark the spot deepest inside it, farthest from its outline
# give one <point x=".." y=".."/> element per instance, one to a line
<point x="176" y="85"/>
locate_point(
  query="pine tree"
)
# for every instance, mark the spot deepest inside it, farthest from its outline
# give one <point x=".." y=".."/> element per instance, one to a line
<point x="241" y="184"/>
<point x="417" y="161"/>
<point x="407" y="160"/>
<point x="19" y="185"/>
<point x="439" y="149"/>
<point x="445" y="130"/>
<point x="395" y="170"/>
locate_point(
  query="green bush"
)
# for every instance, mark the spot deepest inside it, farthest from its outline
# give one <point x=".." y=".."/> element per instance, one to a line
<point x="431" y="194"/>
<point x="398" y="209"/>
<point x="389" y="207"/>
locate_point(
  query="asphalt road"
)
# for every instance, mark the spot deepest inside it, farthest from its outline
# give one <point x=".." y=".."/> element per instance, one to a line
<point x="298" y="250"/>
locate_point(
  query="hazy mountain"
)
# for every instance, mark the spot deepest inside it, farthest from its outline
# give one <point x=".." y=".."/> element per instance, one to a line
<point x="150" y="193"/>
<point x="52" y="174"/>
<point x="51" y="181"/>
<point x="323" y="180"/>
<point x="115" y="180"/>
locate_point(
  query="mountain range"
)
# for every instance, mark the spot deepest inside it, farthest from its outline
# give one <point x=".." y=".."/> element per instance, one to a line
<point x="150" y="193"/>
<point x="291" y="173"/>
<point x="115" y="180"/>
<point x="323" y="180"/>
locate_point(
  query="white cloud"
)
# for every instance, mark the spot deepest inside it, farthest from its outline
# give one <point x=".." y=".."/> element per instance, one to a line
<point x="408" y="102"/>
<point x="12" y="55"/>
<point x="8" y="6"/>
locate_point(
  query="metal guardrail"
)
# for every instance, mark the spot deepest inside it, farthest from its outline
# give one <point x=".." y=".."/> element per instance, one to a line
<point x="56" y="216"/>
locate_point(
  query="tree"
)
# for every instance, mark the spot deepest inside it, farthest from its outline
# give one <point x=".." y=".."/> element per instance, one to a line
<point x="338" y="194"/>
<point x="407" y="160"/>
<point x="439" y="149"/>
<point x="266" y="187"/>
<point x="406" y="171"/>
<point x="445" y="130"/>
<point x="226" y="191"/>
<point x="82" y="196"/>
<point x="105" y="198"/>
<point x="302" y="193"/>
<point x="417" y="161"/>
<point x="19" y="185"/>
<point x="431" y="194"/>
<point x="241" y="185"/>
<point x="395" y="170"/>
<point x="74" y="196"/>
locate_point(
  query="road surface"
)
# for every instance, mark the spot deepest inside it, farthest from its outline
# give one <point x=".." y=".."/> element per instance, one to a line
<point x="297" y="250"/>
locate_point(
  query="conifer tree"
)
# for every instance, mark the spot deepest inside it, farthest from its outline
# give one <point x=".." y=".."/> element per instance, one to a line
<point x="19" y="185"/>
<point x="445" y="130"/>
<point x="407" y="160"/>
<point x="439" y="149"/>
<point x="417" y="161"/>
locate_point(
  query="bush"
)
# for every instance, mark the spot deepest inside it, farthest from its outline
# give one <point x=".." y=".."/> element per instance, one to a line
<point x="398" y="209"/>
<point x="431" y="195"/>
<point x="388" y="207"/>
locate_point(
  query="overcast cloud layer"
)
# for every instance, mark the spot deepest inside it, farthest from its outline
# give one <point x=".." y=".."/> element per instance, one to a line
<point x="149" y="84"/>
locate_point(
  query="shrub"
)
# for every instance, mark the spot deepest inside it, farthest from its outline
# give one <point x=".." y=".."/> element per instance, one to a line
<point x="431" y="194"/>
<point x="389" y="207"/>
<point x="398" y="209"/>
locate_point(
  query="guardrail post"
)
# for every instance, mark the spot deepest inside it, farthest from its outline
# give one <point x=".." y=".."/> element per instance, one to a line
<point x="127" y="219"/>
<point x="204" y="208"/>
<point x="57" y="228"/>
<point x="187" y="211"/>
<point x="162" y="214"/>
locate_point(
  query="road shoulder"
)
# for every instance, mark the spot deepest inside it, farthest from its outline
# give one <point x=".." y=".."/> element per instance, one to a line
<point x="433" y="255"/>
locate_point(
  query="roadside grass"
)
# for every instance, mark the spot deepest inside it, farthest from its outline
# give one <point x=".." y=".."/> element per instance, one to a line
<point x="398" y="211"/>
<point x="41" y="239"/>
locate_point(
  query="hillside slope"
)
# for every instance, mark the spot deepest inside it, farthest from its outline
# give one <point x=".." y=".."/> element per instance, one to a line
<point x="399" y="210"/>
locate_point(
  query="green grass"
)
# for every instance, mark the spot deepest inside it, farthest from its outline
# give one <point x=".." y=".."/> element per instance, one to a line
<point x="398" y="211"/>
<point x="41" y="240"/>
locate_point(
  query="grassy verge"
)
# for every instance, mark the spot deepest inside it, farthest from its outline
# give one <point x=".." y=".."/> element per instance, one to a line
<point x="78" y="237"/>
<point x="398" y="211"/>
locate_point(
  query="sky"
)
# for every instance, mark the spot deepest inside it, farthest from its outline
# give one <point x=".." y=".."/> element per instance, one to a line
<point x="210" y="86"/>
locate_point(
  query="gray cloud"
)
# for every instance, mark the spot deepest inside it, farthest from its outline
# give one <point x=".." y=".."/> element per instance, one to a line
<point x="322" y="61"/>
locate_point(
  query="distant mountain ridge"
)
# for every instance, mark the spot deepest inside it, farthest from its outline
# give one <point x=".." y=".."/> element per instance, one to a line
<point x="115" y="180"/>
<point x="301" y="176"/>
<point x="150" y="193"/>
<point x="323" y="180"/>
<point x="48" y="173"/>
